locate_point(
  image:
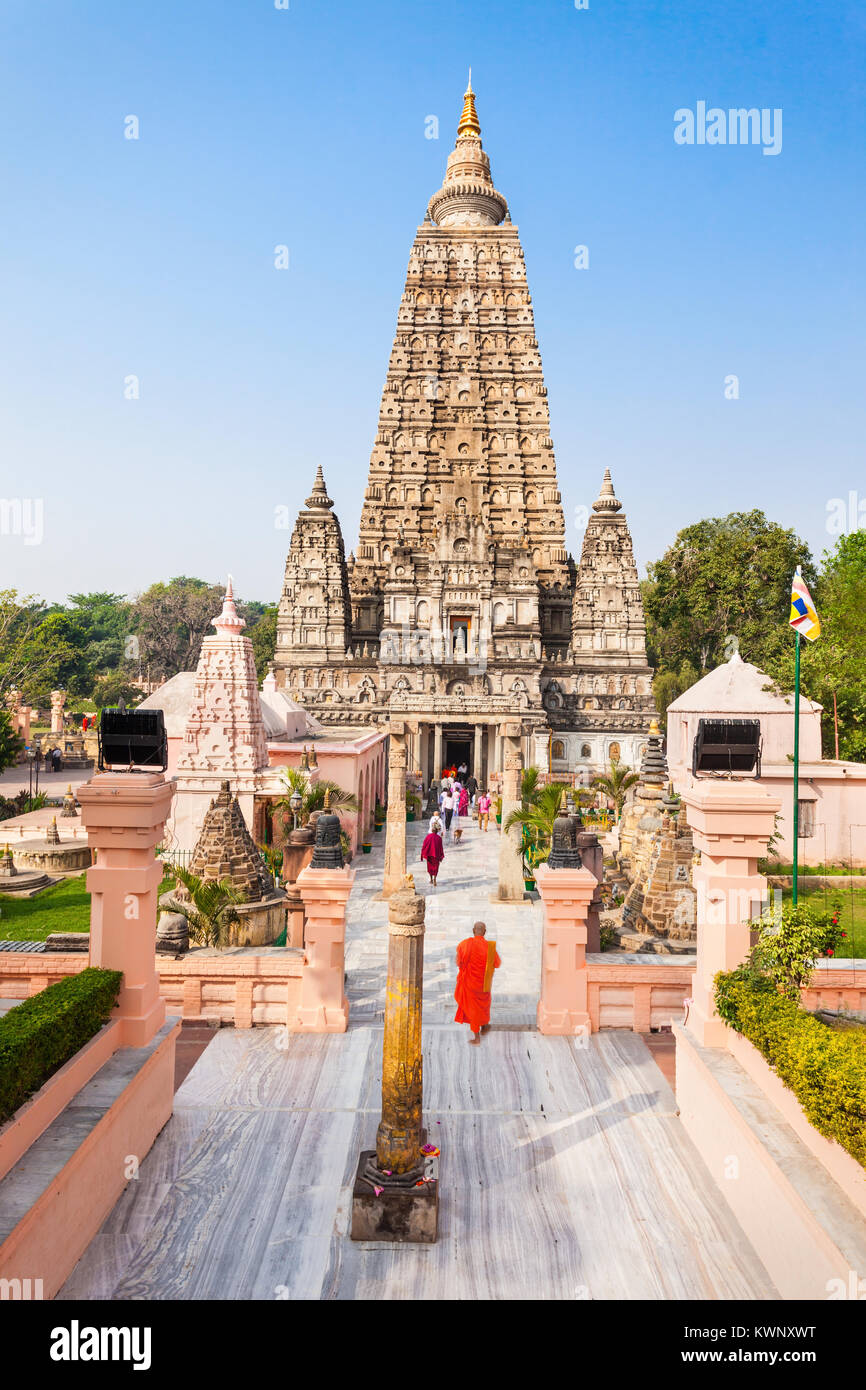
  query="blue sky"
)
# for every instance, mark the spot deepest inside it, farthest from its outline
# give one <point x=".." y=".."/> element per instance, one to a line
<point x="306" y="127"/>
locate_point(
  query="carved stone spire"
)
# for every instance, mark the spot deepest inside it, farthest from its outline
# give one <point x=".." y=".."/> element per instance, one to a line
<point x="314" y="616"/>
<point x="467" y="197"/>
<point x="225" y="729"/>
<point x="608" y="615"/>
<point x="319" y="498"/>
<point x="469" y="123"/>
<point x="229" y="622"/>
<point x="607" y="501"/>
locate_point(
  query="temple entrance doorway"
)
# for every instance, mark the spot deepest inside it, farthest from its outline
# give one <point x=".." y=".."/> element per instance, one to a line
<point x="458" y="749"/>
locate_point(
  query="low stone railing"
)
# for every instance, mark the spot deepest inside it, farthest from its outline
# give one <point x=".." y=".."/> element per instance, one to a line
<point x="636" y="991"/>
<point x="247" y="987"/>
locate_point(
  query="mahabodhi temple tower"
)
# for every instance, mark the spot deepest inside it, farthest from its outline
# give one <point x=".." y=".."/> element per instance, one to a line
<point x="461" y="609"/>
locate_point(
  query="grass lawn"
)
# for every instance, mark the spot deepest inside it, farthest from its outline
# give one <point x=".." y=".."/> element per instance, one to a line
<point x="852" y="916"/>
<point x="65" y="907"/>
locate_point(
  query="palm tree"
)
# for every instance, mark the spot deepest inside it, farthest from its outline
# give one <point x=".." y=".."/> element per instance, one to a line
<point x="539" y="813"/>
<point x="616" y="784"/>
<point x="538" y="809"/>
<point x="312" y="797"/>
<point x="210" y="907"/>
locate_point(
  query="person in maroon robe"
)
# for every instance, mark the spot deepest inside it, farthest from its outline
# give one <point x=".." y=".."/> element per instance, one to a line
<point x="432" y="852"/>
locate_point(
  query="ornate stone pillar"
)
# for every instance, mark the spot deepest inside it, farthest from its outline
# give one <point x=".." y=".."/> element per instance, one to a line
<point x="510" y="860"/>
<point x="58" y="699"/>
<point x="477" y="754"/>
<point x="394" y="1197"/>
<point x="731" y="825"/>
<point x="124" y="814"/>
<point x="399" y="1136"/>
<point x="437" y="754"/>
<point x="395" y="822"/>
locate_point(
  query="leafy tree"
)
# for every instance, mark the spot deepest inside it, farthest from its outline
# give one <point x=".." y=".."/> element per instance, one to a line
<point x="616" y="783"/>
<point x="725" y="577"/>
<point x="103" y="621"/>
<point x="171" y="620"/>
<point x="312" y="797"/>
<point x="262" y="633"/>
<point x="209" y="907"/>
<point x="668" y="685"/>
<point x="114" y="687"/>
<point x="10" y="744"/>
<point x="538" y="814"/>
<point x="35" y="650"/>
<point x="833" y="668"/>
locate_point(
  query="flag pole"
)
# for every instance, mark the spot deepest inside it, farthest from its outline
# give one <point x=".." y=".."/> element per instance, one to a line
<point x="796" y="757"/>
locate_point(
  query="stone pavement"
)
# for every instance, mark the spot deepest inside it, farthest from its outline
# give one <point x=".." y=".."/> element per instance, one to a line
<point x="565" y="1171"/>
<point x="467" y="878"/>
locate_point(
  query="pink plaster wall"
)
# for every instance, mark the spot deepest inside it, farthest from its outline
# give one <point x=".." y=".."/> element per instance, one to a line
<point x="358" y="766"/>
<point x="797" y="1249"/>
<point x="623" y="994"/>
<point x="33" y="1117"/>
<point x="50" y="1239"/>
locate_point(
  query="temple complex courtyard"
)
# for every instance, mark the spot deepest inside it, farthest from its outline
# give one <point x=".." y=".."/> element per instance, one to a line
<point x="565" y="1170"/>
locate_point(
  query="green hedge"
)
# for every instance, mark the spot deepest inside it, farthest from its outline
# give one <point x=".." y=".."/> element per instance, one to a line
<point x="824" y="1067"/>
<point x="43" y="1032"/>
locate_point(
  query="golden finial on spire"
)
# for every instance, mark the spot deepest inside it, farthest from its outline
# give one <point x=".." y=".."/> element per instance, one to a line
<point x="469" y="124"/>
<point x="655" y="731"/>
<point x="327" y="798"/>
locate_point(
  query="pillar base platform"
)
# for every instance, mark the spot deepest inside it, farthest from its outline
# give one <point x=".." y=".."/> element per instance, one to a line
<point x="569" y="1023"/>
<point x="322" y="1019"/>
<point x="401" y="1216"/>
<point x="510" y="902"/>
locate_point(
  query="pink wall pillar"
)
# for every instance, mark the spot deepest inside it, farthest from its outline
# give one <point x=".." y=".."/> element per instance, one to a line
<point x="566" y="895"/>
<point x="732" y="823"/>
<point x="124" y="814"/>
<point x="323" y="1006"/>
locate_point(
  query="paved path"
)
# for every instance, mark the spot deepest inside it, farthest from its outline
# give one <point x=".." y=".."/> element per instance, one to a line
<point x="467" y="879"/>
<point x="565" y="1171"/>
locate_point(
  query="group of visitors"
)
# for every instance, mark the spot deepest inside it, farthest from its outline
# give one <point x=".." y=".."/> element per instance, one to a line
<point x="456" y="795"/>
<point x="477" y="958"/>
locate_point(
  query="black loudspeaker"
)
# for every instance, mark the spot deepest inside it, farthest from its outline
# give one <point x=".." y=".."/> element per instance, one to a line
<point x="133" y="738"/>
<point x="727" y="747"/>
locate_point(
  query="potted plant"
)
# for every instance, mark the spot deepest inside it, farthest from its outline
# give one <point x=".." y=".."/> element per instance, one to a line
<point x="413" y="805"/>
<point x="366" y="845"/>
<point x="378" y="815"/>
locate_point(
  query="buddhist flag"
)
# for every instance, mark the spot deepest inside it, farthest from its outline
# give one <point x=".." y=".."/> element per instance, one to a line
<point x="804" y="618"/>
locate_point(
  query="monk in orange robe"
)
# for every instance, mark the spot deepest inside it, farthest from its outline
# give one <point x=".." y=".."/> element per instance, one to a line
<point x="476" y="962"/>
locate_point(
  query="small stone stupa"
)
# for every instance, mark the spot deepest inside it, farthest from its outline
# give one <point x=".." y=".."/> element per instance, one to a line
<point x="659" y="913"/>
<point x="225" y="849"/>
<point x="652" y="782"/>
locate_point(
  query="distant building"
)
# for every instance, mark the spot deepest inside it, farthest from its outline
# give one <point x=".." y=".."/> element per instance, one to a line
<point x="832" y="794"/>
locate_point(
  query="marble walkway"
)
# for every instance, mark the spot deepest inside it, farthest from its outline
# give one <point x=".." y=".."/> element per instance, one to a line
<point x="565" y="1171"/>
